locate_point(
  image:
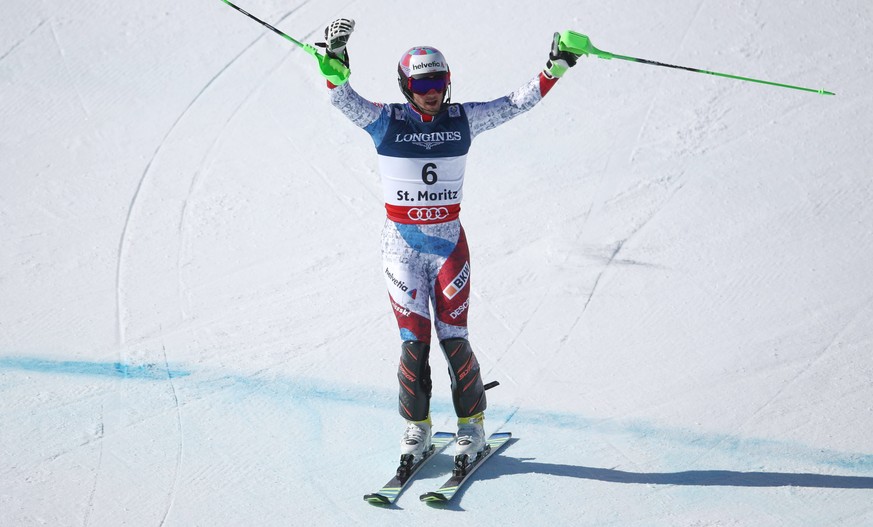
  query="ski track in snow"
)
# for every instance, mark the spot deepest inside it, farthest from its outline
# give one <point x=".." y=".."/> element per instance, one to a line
<point x="199" y="173"/>
<point x="23" y="40"/>
<point x="801" y="373"/>
<point x="654" y="98"/>
<point x="180" y="443"/>
<point x="328" y="181"/>
<point x="196" y="180"/>
<point x="119" y="286"/>
<point x="121" y="323"/>
<point x="90" y="506"/>
<point x="632" y="156"/>
<point x="613" y="257"/>
<point x="609" y="261"/>
<point x="71" y="78"/>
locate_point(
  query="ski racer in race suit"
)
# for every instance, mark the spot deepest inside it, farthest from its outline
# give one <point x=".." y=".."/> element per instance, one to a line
<point x="422" y="149"/>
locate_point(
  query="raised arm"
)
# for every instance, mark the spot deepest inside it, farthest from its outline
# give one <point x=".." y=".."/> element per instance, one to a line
<point x="487" y="115"/>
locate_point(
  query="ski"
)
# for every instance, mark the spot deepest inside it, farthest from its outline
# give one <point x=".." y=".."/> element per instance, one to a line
<point x="461" y="473"/>
<point x="406" y="471"/>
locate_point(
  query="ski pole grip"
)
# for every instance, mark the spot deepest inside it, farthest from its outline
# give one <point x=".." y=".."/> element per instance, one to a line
<point x="332" y="69"/>
<point x="580" y="44"/>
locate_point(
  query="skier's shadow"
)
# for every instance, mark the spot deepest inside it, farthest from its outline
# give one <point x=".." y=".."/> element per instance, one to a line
<point x="504" y="465"/>
<point x="702" y="478"/>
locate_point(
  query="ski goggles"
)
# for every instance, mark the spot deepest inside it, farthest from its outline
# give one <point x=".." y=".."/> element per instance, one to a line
<point x="425" y="84"/>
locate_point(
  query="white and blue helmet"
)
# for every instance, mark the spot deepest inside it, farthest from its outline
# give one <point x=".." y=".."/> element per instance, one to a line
<point x="421" y="69"/>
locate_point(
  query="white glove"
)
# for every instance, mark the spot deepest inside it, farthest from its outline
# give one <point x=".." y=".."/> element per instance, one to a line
<point x="559" y="61"/>
<point x="336" y="36"/>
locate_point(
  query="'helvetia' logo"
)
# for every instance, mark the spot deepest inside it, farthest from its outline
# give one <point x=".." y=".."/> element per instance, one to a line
<point x="427" y="65"/>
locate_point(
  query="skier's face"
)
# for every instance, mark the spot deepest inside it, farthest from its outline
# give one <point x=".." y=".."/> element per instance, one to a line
<point x="429" y="102"/>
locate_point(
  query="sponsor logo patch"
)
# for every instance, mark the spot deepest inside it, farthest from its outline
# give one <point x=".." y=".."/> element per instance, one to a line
<point x="402" y="311"/>
<point x="399" y="284"/>
<point x="458" y="283"/>
<point x="460" y="311"/>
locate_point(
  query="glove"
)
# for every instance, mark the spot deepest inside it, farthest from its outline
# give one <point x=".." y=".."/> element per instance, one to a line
<point x="559" y="61"/>
<point x="336" y="36"/>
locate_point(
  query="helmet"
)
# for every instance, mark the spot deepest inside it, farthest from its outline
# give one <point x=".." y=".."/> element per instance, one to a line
<point x="428" y="66"/>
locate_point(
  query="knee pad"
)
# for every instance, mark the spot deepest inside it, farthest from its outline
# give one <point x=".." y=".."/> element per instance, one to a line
<point x="415" y="382"/>
<point x="468" y="392"/>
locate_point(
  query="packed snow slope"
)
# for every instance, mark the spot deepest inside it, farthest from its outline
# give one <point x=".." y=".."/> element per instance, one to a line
<point x="671" y="270"/>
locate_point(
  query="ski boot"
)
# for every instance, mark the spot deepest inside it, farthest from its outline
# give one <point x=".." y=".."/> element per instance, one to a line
<point x="416" y="440"/>
<point x="471" y="443"/>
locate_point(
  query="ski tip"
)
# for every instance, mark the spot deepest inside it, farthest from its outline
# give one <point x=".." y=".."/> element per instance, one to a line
<point x="377" y="499"/>
<point x="433" y="497"/>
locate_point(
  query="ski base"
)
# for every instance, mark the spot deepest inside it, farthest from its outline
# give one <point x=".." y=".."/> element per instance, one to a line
<point x="461" y="473"/>
<point x="390" y="491"/>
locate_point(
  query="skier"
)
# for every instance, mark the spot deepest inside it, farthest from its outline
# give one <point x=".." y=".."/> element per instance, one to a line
<point x="422" y="147"/>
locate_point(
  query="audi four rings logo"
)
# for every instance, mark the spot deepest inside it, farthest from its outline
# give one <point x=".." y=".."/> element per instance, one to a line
<point x="428" y="213"/>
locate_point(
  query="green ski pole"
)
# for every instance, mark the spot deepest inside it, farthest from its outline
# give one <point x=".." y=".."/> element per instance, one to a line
<point x="581" y="45"/>
<point x="332" y="68"/>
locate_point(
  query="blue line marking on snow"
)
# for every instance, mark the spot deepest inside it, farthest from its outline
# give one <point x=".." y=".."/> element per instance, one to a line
<point x="97" y="369"/>
<point x="678" y="440"/>
<point x="312" y="393"/>
<point x="681" y="440"/>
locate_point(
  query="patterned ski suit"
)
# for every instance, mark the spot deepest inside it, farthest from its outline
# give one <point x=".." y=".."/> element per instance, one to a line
<point x="425" y="259"/>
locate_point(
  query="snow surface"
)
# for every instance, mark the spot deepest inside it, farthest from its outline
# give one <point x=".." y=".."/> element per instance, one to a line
<point x="671" y="271"/>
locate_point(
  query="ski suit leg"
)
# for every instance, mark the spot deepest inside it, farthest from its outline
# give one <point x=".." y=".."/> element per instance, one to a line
<point x="451" y="291"/>
<point x="451" y="294"/>
<point x="405" y="271"/>
<point x="406" y="274"/>
<point x="425" y="263"/>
